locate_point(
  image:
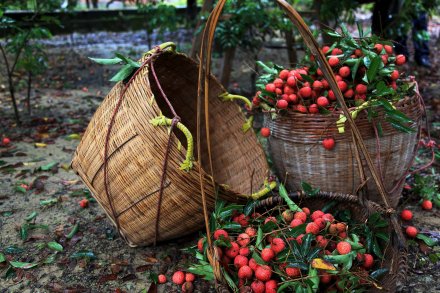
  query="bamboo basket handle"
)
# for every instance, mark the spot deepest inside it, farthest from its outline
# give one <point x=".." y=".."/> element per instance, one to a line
<point x="313" y="46"/>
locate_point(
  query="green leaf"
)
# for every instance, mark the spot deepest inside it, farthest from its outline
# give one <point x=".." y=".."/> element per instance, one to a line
<point x="128" y="60"/>
<point x="286" y="285"/>
<point x="399" y="126"/>
<point x="258" y="258"/>
<point x="24" y="231"/>
<point x="283" y="193"/>
<point x="226" y="212"/>
<point x="22" y="265"/>
<point x="376" y="248"/>
<point x="231" y="226"/>
<point x="259" y="242"/>
<point x="50" y="259"/>
<point x="20" y="189"/>
<point x="48" y="166"/>
<point x="355" y="68"/>
<point x="307" y="78"/>
<point x="204" y="270"/>
<point x="31" y="216"/>
<point x="112" y="61"/>
<point x="55" y="246"/>
<point x="374" y="67"/>
<point x="428" y="241"/>
<point x="313" y="275"/>
<point x="123" y="73"/>
<point x="73" y="231"/>
<point x="229" y="280"/>
<point x="2" y="257"/>
<point x="249" y="207"/>
<point x="84" y="254"/>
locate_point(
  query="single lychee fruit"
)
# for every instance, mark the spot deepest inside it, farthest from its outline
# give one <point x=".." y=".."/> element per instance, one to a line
<point x="427" y="205"/>
<point x="187" y="287"/>
<point x="244" y="251"/>
<point x="189" y="277"/>
<point x="240" y="261"/>
<point x="300" y="216"/>
<point x="312" y="228"/>
<point x="270" y="87"/>
<point x="253" y="264"/>
<point x="6" y="141"/>
<point x="394" y="75"/>
<point x="361" y="89"/>
<point x="406" y="215"/>
<point x="200" y="244"/>
<point x="220" y="233"/>
<point x="282" y="104"/>
<point x="267" y="254"/>
<point x="271" y="286"/>
<point x="388" y="49"/>
<point x="293" y="272"/>
<point x="232" y="251"/>
<point x="344" y="71"/>
<point x="368" y="261"/>
<point x="320" y="222"/>
<point x="411" y="231"/>
<point x="84" y="203"/>
<point x="305" y="92"/>
<point x="295" y="223"/>
<point x="306" y="210"/>
<point x="341" y="227"/>
<point x="178" y="278"/>
<point x="243" y="239"/>
<point x="278" y="83"/>
<point x="316" y="214"/>
<point x="378" y="48"/>
<point x="342" y="85"/>
<point x="321" y="241"/>
<point x="277" y="245"/>
<point x="333" y="61"/>
<point x="400" y="59"/>
<point x="343" y="247"/>
<point x="287" y="216"/>
<point x="245" y="272"/>
<point x="322" y="101"/>
<point x="291" y="81"/>
<point x="313" y="109"/>
<point x="161" y="279"/>
<point x="263" y="273"/>
<point x="284" y="74"/>
<point x="250" y="231"/>
<point x="328" y="217"/>
<point x="265" y="132"/>
<point x="328" y="143"/>
<point x="258" y="287"/>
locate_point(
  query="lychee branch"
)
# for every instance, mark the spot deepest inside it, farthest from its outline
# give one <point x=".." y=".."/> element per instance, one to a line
<point x="189" y="157"/>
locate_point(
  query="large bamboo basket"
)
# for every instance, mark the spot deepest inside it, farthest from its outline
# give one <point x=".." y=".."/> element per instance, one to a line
<point x="137" y="149"/>
<point x="297" y="153"/>
<point x="395" y="258"/>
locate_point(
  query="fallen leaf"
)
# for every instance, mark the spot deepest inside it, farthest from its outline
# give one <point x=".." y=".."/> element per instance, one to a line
<point x="40" y="145"/>
<point x="319" y="263"/>
<point x="106" y="278"/>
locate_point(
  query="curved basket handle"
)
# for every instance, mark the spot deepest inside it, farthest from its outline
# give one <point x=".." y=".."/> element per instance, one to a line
<point x="189" y="157"/>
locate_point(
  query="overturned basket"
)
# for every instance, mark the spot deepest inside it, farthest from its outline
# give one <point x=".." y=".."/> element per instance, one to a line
<point x="130" y="156"/>
<point x="296" y="138"/>
<point x="395" y="258"/>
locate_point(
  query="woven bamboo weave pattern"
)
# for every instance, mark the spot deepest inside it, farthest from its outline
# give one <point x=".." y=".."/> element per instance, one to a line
<point x="137" y="149"/>
<point x="297" y="153"/>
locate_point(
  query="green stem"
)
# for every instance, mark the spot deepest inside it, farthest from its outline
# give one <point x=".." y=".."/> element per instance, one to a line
<point x="268" y="186"/>
<point x="163" y="46"/>
<point x="230" y="97"/>
<point x="189" y="157"/>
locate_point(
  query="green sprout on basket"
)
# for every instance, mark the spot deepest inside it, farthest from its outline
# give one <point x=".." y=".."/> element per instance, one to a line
<point x="189" y="158"/>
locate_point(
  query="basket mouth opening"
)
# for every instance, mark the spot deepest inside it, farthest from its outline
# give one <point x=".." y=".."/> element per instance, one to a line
<point x="178" y="76"/>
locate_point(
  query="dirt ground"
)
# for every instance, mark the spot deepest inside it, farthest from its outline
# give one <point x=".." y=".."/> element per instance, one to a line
<point x="96" y="259"/>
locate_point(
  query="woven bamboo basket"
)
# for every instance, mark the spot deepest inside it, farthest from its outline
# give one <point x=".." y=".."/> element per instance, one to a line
<point x="130" y="194"/>
<point x="395" y="258"/>
<point x="297" y="154"/>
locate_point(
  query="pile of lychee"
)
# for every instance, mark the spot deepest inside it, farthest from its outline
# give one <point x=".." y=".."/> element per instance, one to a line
<point x="306" y="90"/>
<point x="261" y="261"/>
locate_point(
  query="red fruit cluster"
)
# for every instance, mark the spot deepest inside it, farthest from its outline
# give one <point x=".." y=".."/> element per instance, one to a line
<point x="180" y="278"/>
<point x="259" y="267"/>
<point x="305" y="90"/>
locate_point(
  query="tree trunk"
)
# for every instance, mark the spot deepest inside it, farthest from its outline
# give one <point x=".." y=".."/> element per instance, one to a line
<point x="291" y="50"/>
<point x="228" y="61"/>
<point x="323" y="23"/>
<point x="191" y="9"/>
<point x="197" y="39"/>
